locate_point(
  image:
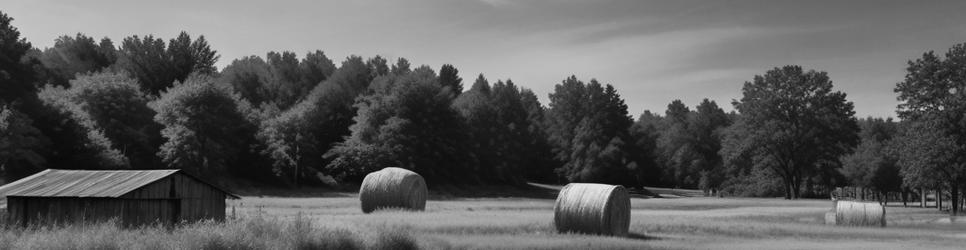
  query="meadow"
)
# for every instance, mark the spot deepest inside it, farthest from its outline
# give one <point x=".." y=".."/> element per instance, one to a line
<point x="657" y="223"/>
<point x="335" y="221"/>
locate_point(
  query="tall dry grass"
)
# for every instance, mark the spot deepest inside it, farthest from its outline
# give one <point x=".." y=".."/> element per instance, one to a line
<point x="255" y="232"/>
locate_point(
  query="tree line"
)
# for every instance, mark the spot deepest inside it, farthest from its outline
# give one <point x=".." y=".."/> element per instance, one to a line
<point x="282" y="119"/>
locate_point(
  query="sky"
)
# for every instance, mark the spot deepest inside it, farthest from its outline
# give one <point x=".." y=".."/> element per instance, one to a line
<point x="653" y="52"/>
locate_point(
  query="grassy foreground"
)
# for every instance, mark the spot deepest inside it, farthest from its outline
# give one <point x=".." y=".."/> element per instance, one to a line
<point x="510" y="223"/>
<point x="254" y="232"/>
<point x="674" y="223"/>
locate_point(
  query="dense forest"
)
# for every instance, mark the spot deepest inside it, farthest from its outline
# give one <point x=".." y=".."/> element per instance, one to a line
<point x="289" y="120"/>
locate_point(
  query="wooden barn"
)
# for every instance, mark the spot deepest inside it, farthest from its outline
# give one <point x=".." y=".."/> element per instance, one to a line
<point x="133" y="197"/>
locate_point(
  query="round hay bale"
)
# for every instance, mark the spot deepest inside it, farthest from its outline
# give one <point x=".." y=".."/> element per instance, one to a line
<point x="830" y="215"/>
<point x="393" y="188"/>
<point x="830" y="218"/>
<point x="855" y="213"/>
<point x="592" y="209"/>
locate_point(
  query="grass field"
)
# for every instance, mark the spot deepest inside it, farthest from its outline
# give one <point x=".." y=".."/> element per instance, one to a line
<point x="671" y="223"/>
<point x="335" y="221"/>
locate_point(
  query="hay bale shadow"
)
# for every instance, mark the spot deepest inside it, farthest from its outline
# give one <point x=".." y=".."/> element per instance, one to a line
<point x="641" y="237"/>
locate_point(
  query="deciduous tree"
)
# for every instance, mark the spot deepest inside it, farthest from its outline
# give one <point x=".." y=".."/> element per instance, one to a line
<point x="407" y="121"/>
<point x="297" y="138"/>
<point x="21" y="145"/>
<point x="157" y="66"/>
<point x="16" y="78"/>
<point x="705" y="128"/>
<point x="76" y="55"/>
<point x="116" y="106"/>
<point x="792" y="122"/>
<point x="205" y="128"/>
<point x="933" y="100"/>
<point x="873" y="164"/>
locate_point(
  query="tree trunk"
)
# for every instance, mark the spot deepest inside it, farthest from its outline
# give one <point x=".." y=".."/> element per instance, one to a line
<point x="788" y="189"/>
<point x="954" y="197"/>
<point x="808" y="186"/>
<point x="905" y="196"/>
<point x="939" y="199"/>
<point x="296" y="176"/>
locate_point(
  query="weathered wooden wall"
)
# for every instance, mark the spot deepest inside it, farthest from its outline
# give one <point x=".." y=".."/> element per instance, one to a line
<point x="170" y="200"/>
<point x="198" y="201"/>
<point x="59" y="210"/>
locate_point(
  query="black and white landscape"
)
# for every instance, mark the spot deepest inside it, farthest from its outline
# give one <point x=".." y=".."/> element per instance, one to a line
<point x="482" y="124"/>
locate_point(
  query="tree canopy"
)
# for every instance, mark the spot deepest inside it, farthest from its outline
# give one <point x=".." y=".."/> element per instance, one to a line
<point x="297" y="138"/>
<point x="589" y="127"/>
<point x="204" y="126"/>
<point x="75" y="55"/>
<point x="873" y="164"/>
<point x="407" y="122"/>
<point x="16" y="78"/>
<point x="20" y="145"/>
<point x="157" y="65"/>
<point x="933" y="102"/>
<point x="792" y="123"/>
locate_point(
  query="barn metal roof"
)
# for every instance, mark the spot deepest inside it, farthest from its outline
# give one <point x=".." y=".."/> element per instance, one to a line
<point x="87" y="183"/>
